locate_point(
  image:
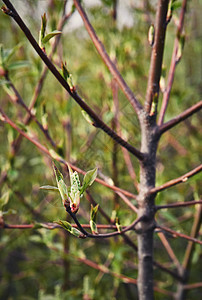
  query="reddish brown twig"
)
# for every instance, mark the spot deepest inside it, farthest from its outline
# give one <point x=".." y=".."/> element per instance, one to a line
<point x="106" y="270"/>
<point x="5" y="118"/>
<point x="178" y="180"/>
<point x="111" y="66"/>
<point x="53" y="226"/>
<point x="174" y="61"/>
<point x="169" y="250"/>
<point x="179" y="204"/>
<point x="18" y="100"/>
<point x="193" y="286"/>
<point x="38" y="88"/>
<point x="181" y="290"/>
<point x="177" y="234"/>
<point x="157" y="55"/>
<point x="97" y="122"/>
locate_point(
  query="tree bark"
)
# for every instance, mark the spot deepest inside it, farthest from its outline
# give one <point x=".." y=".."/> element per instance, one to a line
<point x="146" y="207"/>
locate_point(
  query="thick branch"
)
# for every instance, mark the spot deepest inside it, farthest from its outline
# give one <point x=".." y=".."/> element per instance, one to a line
<point x="111" y="66"/>
<point x="174" y="61"/>
<point x="181" y="117"/>
<point x="157" y="54"/>
<point x="178" y="180"/>
<point x="97" y="121"/>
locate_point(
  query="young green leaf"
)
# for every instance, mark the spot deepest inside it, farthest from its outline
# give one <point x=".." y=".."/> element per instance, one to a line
<point x="65" y="72"/>
<point x="18" y="65"/>
<point x="7" y="54"/>
<point x="93" y="227"/>
<point x="50" y="36"/>
<point x="49" y="188"/>
<point x="88" y="180"/>
<point x="61" y="185"/>
<point x="87" y="117"/>
<point x="151" y="33"/>
<point x="93" y="214"/>
<point x="180" y="47"/>
<point x="43" y="25"/>
<point x="70" y="174"/>
<point x="118" y="226"/>
<point x="4" y="199"/>
<point x="67" y="226"/>
<point x="75" y="191"/>
<point x="9" y="212"/>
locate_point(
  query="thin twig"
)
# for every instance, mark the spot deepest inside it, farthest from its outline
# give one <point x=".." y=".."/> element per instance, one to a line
<point x="38" y="88"/>
<point x="111" y="66"/>
<point x="193" y="286"/>
<point x="181" y="290"/>
<point x="97" y="236"/>
<point x="6" y="119"/>
<point x="178" y="180"/>
<point x="106" y="270"/>
<point x="174" y="61"/>
<point x="181" y="117"/>
<point x="177" y="234"/>
<point x="157" y="54"/>
<point x="179" y="204"/>
<point x="126" y="155"/>
<point x="72" y="92"/>
<point x="39" y="85"/>
<point x="128" y="202"/>
<point x="169" y="250"/>
<point x="132" y="244"/>
<point x="194" y="233"/>
<point x="174" y="274"/>
<point x="53" y="226"/>
<point x="18" y="99"/>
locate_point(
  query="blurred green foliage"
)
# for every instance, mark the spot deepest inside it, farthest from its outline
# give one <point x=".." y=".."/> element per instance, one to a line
<point x="33" y="262"/>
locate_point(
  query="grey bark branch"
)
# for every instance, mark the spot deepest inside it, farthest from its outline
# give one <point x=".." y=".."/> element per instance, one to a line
<point x="157" y="54"/>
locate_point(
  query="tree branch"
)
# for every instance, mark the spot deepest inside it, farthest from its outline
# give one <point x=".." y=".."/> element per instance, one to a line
<point x="4" y="118"/>
<point x="10" y="10"/>
<point x="18" y="99"/>
<point x="38" y="88"/>
<point x="179" y="204"/>
<point x="175" y="233"/>
<point x="178" y="180"/>
<point x="181" y="291"/>
<point x="169" y="250"/>
<point x="130" y="242"/>
<point x="174" y="61"/>
<point x="181" y="117"/>
<point x="97" y="236"/>
<point x="157" y="54"/>
<point x="52" y="226"/>
<point x="111" y="66"/>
